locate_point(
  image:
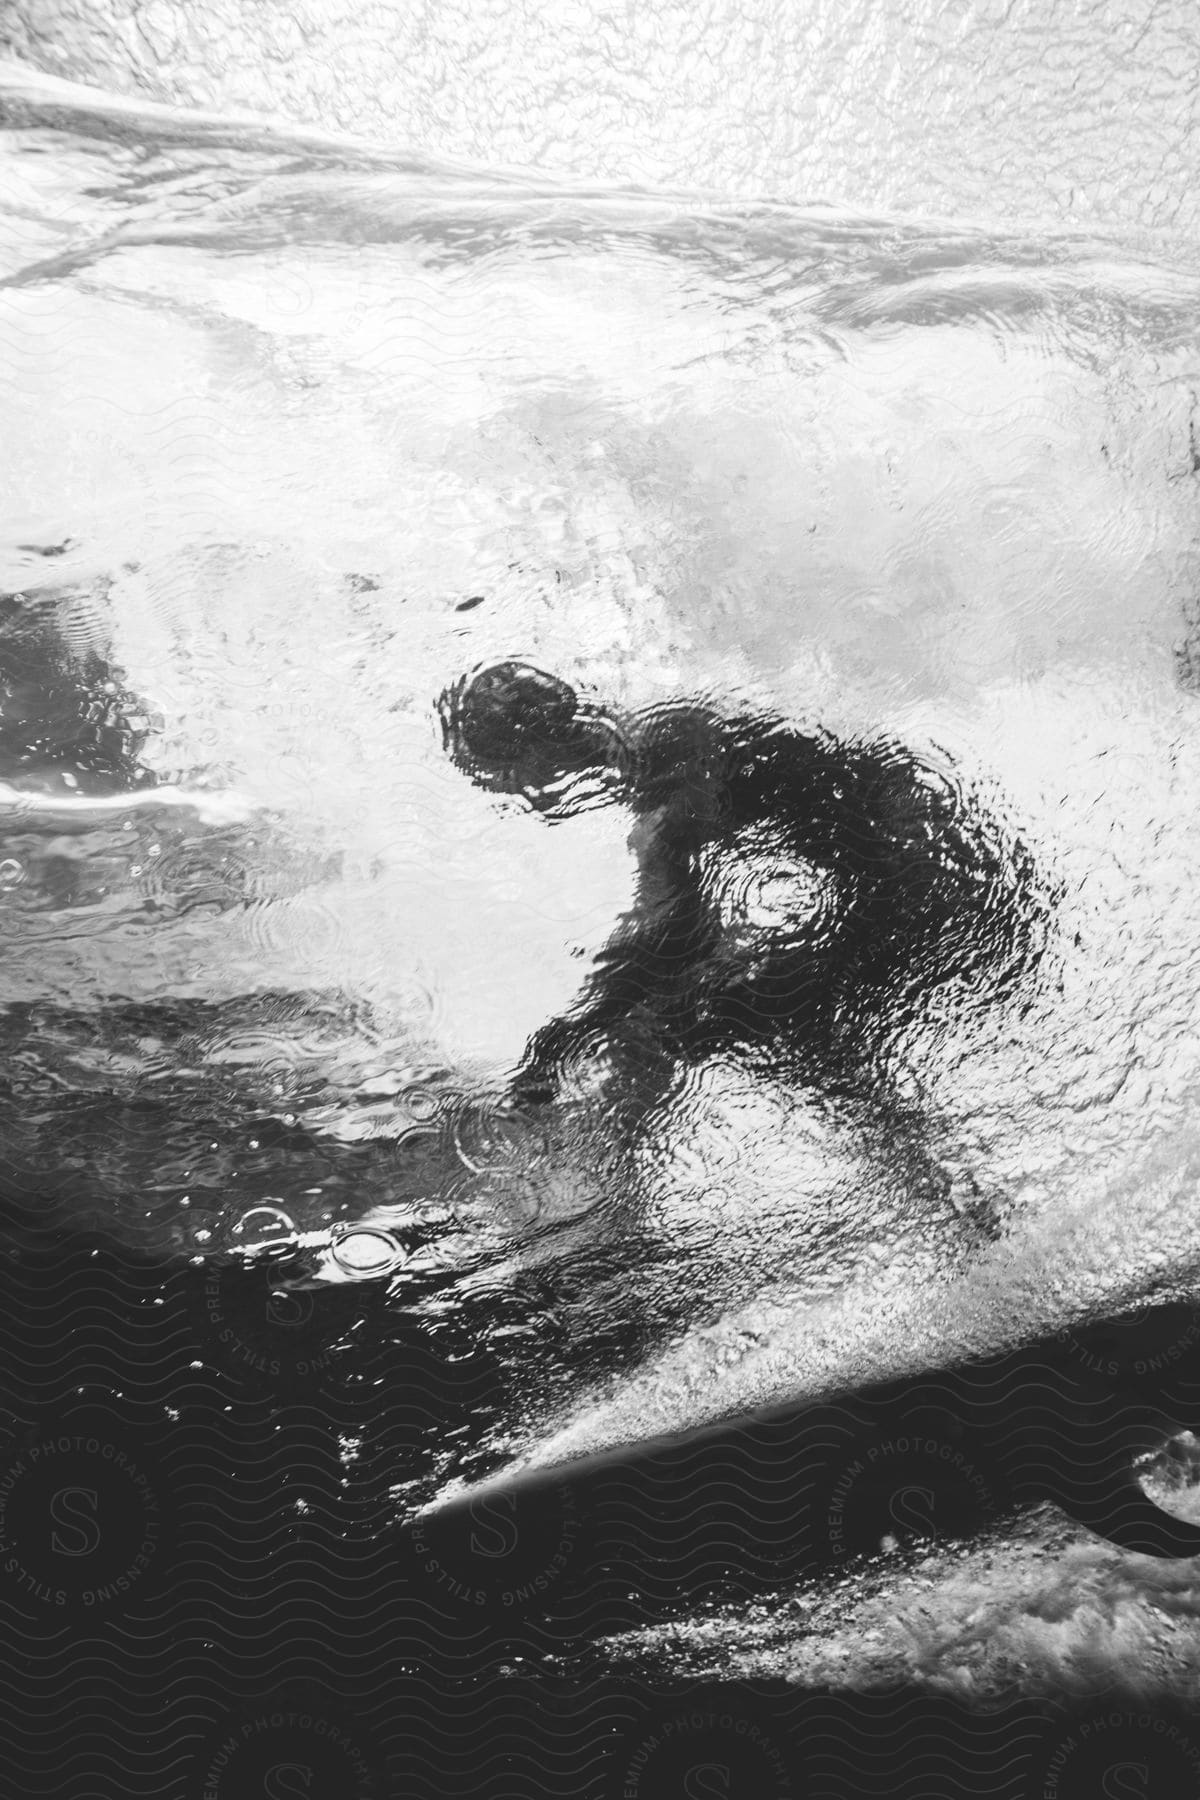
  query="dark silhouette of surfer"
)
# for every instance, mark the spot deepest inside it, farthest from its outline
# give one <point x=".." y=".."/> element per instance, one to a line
<point x="796" y="896"/>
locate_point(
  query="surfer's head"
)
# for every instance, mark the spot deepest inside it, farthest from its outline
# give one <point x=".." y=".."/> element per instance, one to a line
<point x="514" y="728"/>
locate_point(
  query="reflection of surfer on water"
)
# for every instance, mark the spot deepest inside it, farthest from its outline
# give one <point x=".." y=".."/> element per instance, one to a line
<point x="797" y="897"/>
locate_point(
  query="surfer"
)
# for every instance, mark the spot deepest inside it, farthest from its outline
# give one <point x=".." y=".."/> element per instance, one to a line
<point x="796" y="897"/>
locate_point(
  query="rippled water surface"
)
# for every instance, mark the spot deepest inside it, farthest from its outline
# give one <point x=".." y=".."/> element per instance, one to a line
<point x="297" y="442"/>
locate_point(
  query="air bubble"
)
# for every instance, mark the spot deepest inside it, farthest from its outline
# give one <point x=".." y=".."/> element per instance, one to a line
<point x="265" y="1226"/>
<point x="421" y="1105"/>
<point x="363" y="1251"/>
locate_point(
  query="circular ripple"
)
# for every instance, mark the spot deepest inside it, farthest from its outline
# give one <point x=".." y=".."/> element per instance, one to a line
<point x="367" y="1251"/>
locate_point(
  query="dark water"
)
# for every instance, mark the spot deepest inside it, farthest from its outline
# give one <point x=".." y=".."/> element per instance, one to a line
<point x="598" y="842"/>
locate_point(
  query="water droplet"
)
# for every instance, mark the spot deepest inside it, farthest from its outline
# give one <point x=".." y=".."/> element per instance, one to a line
<point x="366" y="1250"/>
<point x="420" y="1104"/>
<point x="264" y="1226"/>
